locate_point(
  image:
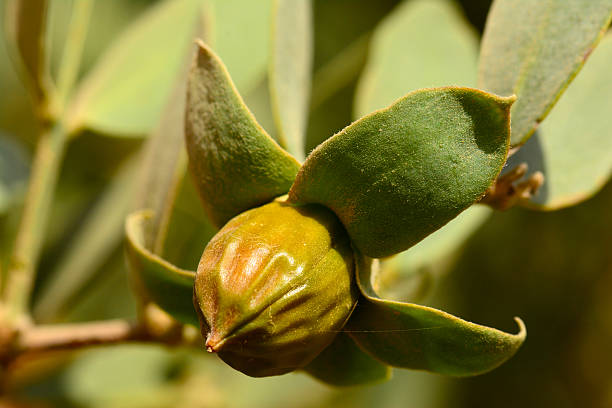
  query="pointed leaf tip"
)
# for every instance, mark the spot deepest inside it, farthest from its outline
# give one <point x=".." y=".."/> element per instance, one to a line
<point x="412" y="336"/>
<point x="236" y="165"/>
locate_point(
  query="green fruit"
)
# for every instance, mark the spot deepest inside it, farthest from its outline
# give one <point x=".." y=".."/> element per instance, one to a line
<point x="274" y="287"/>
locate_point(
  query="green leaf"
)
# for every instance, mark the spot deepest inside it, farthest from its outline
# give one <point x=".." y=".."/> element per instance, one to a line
<point x="26" y="23"/>
<point x="290" y="71"/>
<point x="421" y="44"/>
<point x="409" y="274"/>
<point x="235" y="163"/>
<point x="127" y="90"/>
<point x="171" y="288"/>
<point x="534" y="50"/>
<point x="343" y="363"/>
<point x="412" y="336"/>
<point x="573" y="146"/>
<point x="240" y="33"/>
<point x="400" y="173"/>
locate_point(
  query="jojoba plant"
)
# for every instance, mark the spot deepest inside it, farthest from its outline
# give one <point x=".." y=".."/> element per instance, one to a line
<point x="291" y="279"/>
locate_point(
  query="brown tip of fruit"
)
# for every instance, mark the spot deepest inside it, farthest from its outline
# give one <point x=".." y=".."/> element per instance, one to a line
<point x="214" y="342"/>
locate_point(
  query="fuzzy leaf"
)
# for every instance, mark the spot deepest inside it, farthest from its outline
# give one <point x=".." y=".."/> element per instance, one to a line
<point x="235" y="163"/>
<point x="168" y="286"/>
<point x="441" y="50"/>
<point x="126" y="91"/>
<point x="539" y="57"/>
<point x="343" y="363"/>
<point x="290" y="71"/>
<point x="573" y="146"/>
<point x="26" y="23"/>
<point x="408" y="335"/>
<point x="400" y="173"/>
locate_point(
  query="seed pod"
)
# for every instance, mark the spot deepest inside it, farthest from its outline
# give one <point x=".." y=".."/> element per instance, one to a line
<point x="274" y="287"/>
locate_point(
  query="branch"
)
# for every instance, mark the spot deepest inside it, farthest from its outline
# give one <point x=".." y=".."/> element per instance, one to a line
<point x="69" y="336"/>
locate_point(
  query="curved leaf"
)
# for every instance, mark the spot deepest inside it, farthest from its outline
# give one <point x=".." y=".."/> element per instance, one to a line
<point x="573" y="146"/>
<point x="412" y="336"/>
<point x="235" y="163"/>
<point x="168" y="286"/>
<point x="539" y="57"/>
<point x="421" y="44"/>
<point x="400" y="173"/>
<point x="126" y="91"/>
<point x="290" y="71"/>
<point x="343" y="363"/>
<point x="26" y="23"/>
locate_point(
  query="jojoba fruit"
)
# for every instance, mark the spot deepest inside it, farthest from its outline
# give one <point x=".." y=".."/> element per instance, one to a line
<point x="274" y="287"/>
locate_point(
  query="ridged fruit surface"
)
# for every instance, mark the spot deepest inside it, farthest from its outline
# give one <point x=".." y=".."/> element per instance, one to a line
<point x="274" y="287"/>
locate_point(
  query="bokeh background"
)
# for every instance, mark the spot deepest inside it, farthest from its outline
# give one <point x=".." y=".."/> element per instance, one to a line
<point x="553" y="269"/>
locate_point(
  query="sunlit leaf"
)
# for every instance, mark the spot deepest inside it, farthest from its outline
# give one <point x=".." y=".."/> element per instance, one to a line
<point x="573" y="146"/>
<point x="412" y="336"/>
<point x="126" y="91"/>
<point x="534" y="50"/>
<point x="165" y="284"/>
<point x="241" y="32"/>
<point x="421" y="44"/>
<point x="26" y="23"/>
<point x="290" y="71"/>
<point x="235" y="163"/>
<point x="343" y="363"/>
<point x="399" y="174"/>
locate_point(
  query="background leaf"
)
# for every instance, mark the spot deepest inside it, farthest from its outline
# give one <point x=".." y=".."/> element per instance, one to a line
<point x="14" y="170"/>
<point x="539" y="57"/>
<point x="241" y="31"/>
<point x="397" y="175"/>
<point x="573" y="146"/>
<point x="290" y="71"/>
<point x="418" y="337"/>
<point x="421" y="44"/>
<point x="410" y="275"/>
<point x="26" y="23"/>
<point x="235" y="164"/>
<point x="126" y="91"/>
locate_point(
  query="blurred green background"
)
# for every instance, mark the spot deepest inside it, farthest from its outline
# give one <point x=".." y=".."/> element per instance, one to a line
<point x="553" y="269"/>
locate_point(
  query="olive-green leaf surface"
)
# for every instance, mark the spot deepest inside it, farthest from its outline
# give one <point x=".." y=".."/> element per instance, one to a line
<point x="573" y="146"/>
<point x="235" y="164"/>
<point x="400" y="173"/>
<point x="290" y="71"/>
<point x="171" y="288"/>
<point x="412" y="336"/>
<point x="421" y="44"/>
<point x="409" y="274"/>
<point x="90" y="245"/>
<point x="240" y="35"/>
<point x="126" y="91"/>
<point x="343" y="363"/>
<point x="534" y="49"/>
<point x="26" y="23"/>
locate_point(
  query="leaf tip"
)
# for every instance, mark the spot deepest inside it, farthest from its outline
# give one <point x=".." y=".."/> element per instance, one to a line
<point x="522" y="334"/>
